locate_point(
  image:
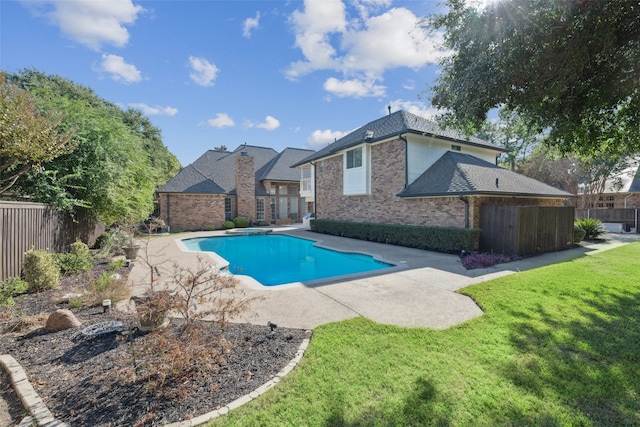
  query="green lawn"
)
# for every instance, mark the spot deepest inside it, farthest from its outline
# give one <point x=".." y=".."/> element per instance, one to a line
<point x="557" y="346"/>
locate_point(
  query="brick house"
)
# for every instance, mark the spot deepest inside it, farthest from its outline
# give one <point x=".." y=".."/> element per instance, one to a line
<point x="622" y="190"/>
<point x="253" y="182"/>
<point x="403" y="169"/>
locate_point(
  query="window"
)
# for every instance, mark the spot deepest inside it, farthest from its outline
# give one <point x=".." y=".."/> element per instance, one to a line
<point x="273" y="210"/>
<point x="610" y="198"/>
<point x="354" y="158"/>
<point x="259" y="209"/>
<point x="293" y="191"/>
<point x="610" y="205"/>
<point x="321" y="166"/>
<point x="228" y="214"/>
<point x="272" y="190"/>
<point x="456" y="148"/>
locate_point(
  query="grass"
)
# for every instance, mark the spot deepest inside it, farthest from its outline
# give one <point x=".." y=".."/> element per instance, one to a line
<point x="557" y="346"/>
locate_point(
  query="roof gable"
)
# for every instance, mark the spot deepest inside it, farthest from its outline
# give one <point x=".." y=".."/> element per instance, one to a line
<point x="279" y="169"/>
<point x="460" y="174"/>
<point x="214" y="171"/>
<point x="392" y="125"/>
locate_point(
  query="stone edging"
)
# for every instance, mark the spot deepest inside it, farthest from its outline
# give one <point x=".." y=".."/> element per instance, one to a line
<point x="43" y="417"/>
<point x="30" y="399"/>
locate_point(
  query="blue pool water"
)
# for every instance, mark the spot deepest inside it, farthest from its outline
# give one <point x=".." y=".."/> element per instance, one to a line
<point x="277" y="259"/>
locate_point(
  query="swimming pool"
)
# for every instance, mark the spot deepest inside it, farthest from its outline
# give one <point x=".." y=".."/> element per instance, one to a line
<point x="274" y="259"/>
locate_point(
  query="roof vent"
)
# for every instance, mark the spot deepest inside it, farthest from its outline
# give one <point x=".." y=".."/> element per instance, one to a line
<point x="244" y="153"/>
<point x="368" y="134"/>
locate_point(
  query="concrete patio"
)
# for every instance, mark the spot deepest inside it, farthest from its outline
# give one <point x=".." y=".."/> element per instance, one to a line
<point x="419" y="292"/>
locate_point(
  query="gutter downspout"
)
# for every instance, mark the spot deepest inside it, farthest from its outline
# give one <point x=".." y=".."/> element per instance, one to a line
<point x="466" y="210"/>
<point x="315" y="182"/>
<point x="406" y="160"/>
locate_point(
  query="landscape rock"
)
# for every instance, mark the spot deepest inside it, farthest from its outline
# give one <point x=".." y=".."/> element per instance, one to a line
<point x="60" y="320"/>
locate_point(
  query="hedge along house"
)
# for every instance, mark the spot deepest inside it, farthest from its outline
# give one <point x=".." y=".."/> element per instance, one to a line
<point x="257" y="183"/>
<point x="403" y="169"/>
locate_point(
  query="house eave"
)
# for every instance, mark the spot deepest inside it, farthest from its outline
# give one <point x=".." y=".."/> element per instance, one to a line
<point x="485" y="193"/>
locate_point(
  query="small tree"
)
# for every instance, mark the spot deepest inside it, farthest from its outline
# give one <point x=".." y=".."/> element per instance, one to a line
<point x="28" y="136"/>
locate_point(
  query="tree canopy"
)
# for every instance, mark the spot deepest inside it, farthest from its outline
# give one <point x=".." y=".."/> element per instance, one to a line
<point x="28" y="136"/>
<point x="568" y="67"/>
<point x="119" y="158"/>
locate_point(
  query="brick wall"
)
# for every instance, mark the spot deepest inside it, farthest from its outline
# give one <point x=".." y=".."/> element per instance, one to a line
<point x="388" y="170"/>
<point x="192" y="211"/>
<point x="245" y="180"/>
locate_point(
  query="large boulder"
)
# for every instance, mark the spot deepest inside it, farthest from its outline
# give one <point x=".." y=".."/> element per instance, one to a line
<point x="60" y="320"/>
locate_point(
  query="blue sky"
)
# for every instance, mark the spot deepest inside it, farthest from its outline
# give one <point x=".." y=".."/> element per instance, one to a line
<point x="210" y="73"/>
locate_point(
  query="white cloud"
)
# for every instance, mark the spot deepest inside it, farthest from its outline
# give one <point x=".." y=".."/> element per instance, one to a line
<point x="313" y="28"/>
<point x="203" y="72"/>
<point x="90" y="22"/>
<point x="221" y="120"/>
<point x="270" y="123"/>
<point x="120" y="71"/>
<point x="353" y="88"/>
<point x="154" y="111"/>
<point x="361" y="48"/>
<point x="321" y="138"/>
<point x="250" y="24"/>
<point x="414" y="107"/>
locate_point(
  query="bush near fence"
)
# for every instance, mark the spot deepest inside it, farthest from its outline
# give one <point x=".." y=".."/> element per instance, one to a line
<point x="439" y="239"/>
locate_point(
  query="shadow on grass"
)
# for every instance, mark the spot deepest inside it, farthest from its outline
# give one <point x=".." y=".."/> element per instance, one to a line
<point x="588" y="363"/>
<point x="418" y="409"/>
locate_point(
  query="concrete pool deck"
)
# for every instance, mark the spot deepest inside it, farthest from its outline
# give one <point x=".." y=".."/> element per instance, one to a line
<point x="420" y="292"/>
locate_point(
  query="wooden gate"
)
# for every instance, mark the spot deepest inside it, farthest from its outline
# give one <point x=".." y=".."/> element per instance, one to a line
<point x="525" y="230"/>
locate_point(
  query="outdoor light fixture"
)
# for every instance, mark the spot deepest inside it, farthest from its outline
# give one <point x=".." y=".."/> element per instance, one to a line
<point x="273" y="326"/>
<point x="106" y="305"/>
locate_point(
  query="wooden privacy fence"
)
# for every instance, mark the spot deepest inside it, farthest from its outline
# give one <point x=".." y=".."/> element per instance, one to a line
<point x="525" y="230"/>
<point x="627" y="216"/>
<point x="25" y="225"/>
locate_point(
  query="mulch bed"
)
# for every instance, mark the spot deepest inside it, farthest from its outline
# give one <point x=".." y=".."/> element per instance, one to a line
<point x="83" y="379"/>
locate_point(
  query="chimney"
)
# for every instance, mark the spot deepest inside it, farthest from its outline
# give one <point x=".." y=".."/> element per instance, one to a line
<point x="245" y="180"/>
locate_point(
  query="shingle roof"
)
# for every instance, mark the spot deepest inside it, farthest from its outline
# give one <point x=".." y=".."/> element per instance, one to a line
<point x="627" y="181"/>
<point x="214" y="171"/>
<point x="279" y="169"/>
<point x="462" y="174"/>
<point x="391" y="125"/>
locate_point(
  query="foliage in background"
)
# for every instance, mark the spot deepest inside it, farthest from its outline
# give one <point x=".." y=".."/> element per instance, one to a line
<point x="111" y="243"/>
<point x="77" y="261"/>
<point x="40" y="270"/>
<point x="569" y="67"/>
<point x="118" y="162"/>
<point x="440" y="239"/>
<point x="29" y="136"/>
<point x="592" y="227"/>
<point x="9" y="288"/>
<point x="108" y="285"/>
<point x="228" y="225"/>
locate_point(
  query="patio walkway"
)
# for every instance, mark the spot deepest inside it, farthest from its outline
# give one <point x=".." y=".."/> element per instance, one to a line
<point x="420" y="292"/>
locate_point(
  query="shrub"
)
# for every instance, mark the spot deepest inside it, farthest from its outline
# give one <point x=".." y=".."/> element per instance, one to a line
<point x="111" y="245"/>
<point x="441" y="239"/>
<point x="77" y="261"/>
<point x="117" y="264"/>
<point x="228" y="225"/>
<point x="241" y="222"/>
<point x="592" y="227"/>
<point x="40" y="270"/>
<point x="106" y="286"/>
<point x="578" y="234"/>
<point x="9" y="288"/>
<point x="484" y="260"/>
